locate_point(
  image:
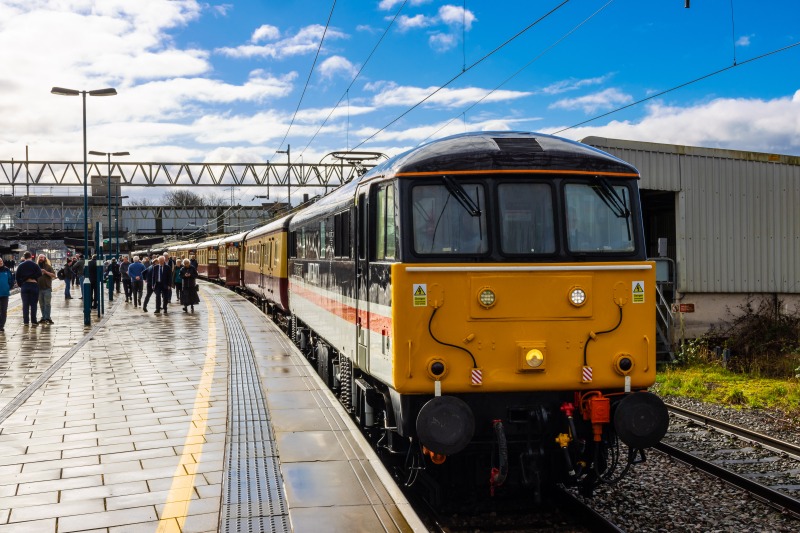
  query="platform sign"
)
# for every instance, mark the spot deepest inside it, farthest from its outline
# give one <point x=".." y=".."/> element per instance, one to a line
<point x="420" y="295"/>
<point x="637" y="288"/>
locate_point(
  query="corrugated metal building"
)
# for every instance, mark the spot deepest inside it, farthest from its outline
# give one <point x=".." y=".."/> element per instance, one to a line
<point x="731" y="220"/>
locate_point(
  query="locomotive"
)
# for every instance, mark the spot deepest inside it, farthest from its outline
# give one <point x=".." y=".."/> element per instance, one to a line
<point x="482" y="305"/>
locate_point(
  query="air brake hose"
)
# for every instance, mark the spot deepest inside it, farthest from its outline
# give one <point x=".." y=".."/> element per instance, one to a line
<point x="500" y="472"/>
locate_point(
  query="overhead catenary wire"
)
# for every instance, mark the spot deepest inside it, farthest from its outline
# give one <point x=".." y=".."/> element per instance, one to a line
<point x="682" y="85"/>
<point x="464" y="71"/>
<point x="308" y="79"/>
<point x="346" y="93"/>
<point x="518" y="72"/>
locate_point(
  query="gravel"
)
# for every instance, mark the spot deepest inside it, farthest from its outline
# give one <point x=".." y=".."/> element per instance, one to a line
<point x="662" y="494"/>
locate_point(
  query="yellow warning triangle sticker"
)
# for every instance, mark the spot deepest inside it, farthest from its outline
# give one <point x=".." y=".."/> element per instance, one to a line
<point x="638" y="288"/>
<point x="419" y="292"/>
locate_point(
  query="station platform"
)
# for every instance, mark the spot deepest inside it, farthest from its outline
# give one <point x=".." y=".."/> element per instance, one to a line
<point x="193" y="422"/>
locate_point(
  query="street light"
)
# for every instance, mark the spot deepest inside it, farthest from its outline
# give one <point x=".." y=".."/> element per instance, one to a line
<point x="109" y="154"/>
<point x="72" y="92"/>
<point x="288" y="153"/>
<point x="87" y="311"/>
<point x="116" y="221"/>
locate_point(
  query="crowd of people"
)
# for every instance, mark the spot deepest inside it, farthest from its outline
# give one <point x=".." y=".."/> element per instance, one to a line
<point x="161" y="275"/>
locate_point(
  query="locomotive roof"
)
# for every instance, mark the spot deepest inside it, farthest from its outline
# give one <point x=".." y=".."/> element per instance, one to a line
<point x="504" y="151"/>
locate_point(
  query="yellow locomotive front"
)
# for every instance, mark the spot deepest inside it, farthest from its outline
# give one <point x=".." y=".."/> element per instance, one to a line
<point x="521" y="336"/>
<point x="522" y="327"/>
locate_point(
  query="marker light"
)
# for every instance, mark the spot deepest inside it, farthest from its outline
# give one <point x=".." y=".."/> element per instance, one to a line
<point x="487" y="298"/>
<point x="534" y="358"/>
<point x="577" y="297"/>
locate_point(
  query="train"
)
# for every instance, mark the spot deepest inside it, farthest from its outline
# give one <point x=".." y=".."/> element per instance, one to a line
<point x="482" y="305"/>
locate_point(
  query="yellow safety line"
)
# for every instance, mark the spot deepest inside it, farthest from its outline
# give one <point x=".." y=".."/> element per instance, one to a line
<point x="180" y="493"/>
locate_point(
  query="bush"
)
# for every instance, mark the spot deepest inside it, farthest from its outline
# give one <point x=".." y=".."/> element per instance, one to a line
<point x="762" y="340"/>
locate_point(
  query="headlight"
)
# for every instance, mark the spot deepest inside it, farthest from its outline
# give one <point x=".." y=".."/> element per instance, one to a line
<point x="487" y="298"/>
<point x="534" y="358"/>
<point x="577" y="296"/>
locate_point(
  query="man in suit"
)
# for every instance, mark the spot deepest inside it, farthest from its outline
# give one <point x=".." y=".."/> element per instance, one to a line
<point x="162" y="281"/>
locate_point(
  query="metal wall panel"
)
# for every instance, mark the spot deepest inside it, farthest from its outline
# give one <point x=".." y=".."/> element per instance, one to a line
<point x="737" y="220"/>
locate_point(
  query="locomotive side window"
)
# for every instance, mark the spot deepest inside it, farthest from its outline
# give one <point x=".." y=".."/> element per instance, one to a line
<point x="443" y="225"/>
<point x="385" y="227"/>
<point x="341" y="234"/>
<point x="293" y="244"/>
<point x="598" y="218"/>
<point x="526" y="218"/>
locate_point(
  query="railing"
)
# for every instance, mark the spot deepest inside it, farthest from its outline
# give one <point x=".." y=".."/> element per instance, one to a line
<point x="665" y="320"/>
<point x="665" y="327"/>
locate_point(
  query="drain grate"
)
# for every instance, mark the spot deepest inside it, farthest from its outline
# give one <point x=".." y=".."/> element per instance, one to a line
<point x="253" y="498"/>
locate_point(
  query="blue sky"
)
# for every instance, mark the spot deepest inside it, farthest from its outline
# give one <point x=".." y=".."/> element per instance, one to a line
<point x="233" y="81"/>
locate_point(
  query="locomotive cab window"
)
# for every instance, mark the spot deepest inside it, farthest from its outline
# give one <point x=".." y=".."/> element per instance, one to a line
<point x="526" y="218"/>
<point x="599" y="217"/>
<point x="449" y="218"/>
<point x="385" y="227"/>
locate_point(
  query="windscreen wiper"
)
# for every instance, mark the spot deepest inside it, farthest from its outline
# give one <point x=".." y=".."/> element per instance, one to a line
<point x="611" y="198"/>
<point x="461" y="196"/>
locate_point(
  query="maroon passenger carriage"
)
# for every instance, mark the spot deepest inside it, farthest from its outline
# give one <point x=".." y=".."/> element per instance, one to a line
<point x="207" y="253"/>
<point x="229" y="259"/>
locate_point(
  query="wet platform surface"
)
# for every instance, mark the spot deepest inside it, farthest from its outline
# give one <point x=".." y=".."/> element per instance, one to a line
<point x="209" y="421"/>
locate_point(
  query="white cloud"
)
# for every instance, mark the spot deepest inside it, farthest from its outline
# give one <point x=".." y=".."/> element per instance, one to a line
<point x="394" y="95"/>
<point x="442" y="42"/>
<point x="305" y="41"/>
<point x="222" y="9"/>
<point x="574" y="84"/>
<point x="390" y="4"/>
<point x="734" y="123"/>
<point x="405" y="23"/>
<point x="457" y="16"/>
<point x="744" y="40"/>
<point x="265" y="32"/>
<point x="604" y="100"/>
<point x="337" y="65"/>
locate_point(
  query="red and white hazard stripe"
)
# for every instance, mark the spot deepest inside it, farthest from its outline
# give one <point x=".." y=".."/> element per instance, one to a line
<point x="477" y="376"/>
<point x="587" y="374"/>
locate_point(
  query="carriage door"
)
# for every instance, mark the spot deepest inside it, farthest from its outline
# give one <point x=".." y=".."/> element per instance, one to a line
<point x="262" y="265"/>
<point x="362" y="282"/>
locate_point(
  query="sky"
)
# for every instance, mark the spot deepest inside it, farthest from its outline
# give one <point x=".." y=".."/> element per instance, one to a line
<point x="238" y="81"/>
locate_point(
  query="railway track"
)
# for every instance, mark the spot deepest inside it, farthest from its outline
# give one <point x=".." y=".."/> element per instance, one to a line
<point x="764" y="466"/>
<point x="562" y="511"/>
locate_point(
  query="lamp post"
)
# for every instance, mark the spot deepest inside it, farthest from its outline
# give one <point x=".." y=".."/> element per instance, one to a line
<point x="109" y="154"/>
<point x="116" y="221"/>
<point x="87" y="304"/>
<point x="288" y="153"/>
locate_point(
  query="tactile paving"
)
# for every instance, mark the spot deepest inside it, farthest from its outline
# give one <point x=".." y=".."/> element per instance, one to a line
<point x="253" y="497"/>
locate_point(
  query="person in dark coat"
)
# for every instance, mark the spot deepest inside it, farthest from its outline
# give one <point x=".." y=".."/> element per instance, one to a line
<point x="116" y="273"/>
<point x="148" y="282"/>
<point x="189" y="296"/>
<point x="28" y="274"/>
<point x="93" y="280"/>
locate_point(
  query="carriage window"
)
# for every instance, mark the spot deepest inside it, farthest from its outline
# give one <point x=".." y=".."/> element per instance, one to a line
<point x="442" y="225"/>
<point x="526" y="218"/>
<point x="385" y="230"/>
<point x="323" y="241"/>
<point x="597" y="219"/>
<point x="341" y="234"/>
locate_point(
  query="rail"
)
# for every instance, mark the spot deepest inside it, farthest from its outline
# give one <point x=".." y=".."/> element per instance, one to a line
<point x="783" y="502"/>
